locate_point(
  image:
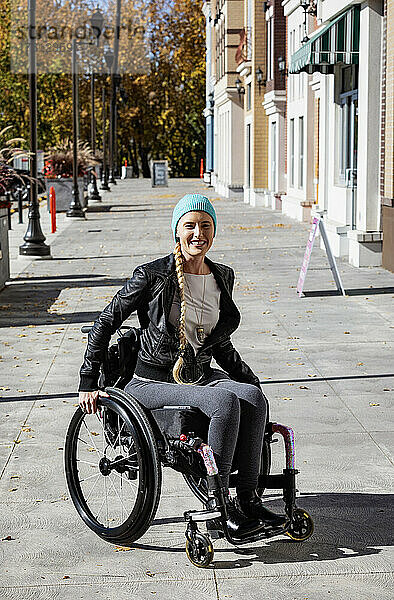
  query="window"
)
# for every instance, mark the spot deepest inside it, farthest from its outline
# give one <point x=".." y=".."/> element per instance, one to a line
<point x="273" y="157"/>
<point x="292" y="152"/>
<point x="347" y="125"/>
<point x="248" y="155"/>
<point x="301" y="152"/>
<point x="269" y="75"/>
<point x="270" y="49"/>
<point x="248" y="96"/>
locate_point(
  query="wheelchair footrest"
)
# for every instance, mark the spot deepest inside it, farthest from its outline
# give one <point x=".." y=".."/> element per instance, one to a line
<point x="202" y="515"/>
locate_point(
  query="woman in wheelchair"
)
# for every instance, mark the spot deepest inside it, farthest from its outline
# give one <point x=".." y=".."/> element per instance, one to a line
<point x="187" y="315"/>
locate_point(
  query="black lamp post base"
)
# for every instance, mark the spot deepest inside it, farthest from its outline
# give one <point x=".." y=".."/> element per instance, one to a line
<point x="104" y="186"/>
<point x="111" y="178"/>
<point x="76" y="213"/>
<point x="40" y="250"/>
<point x="95" y="197"/>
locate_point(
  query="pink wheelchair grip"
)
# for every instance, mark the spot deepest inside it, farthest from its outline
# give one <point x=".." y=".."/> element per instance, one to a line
<point x="208" y="458"/>
<point x="288" y="436"/>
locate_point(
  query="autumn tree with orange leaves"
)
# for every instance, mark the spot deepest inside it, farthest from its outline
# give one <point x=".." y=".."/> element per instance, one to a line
<point x="162" y="115"/>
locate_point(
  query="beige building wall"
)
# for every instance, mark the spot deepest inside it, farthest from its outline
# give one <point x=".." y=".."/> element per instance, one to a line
<point x="228" y="113"/>
<point x="255" y="118"/>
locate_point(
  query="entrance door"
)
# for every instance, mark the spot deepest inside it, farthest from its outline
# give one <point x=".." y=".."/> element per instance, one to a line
<point x="349" y="147"/>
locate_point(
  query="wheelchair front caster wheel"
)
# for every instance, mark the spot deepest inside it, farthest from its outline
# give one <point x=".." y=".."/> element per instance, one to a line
<point x="199" y="550"/>
<point x="301" y="526"/>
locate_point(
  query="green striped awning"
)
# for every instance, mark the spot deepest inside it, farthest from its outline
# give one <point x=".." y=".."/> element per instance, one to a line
<point x="337" y="42"/>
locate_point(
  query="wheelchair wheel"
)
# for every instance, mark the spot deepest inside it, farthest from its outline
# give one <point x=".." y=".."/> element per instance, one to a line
<point x="199" y="485"/>
<point x="112" y="469"/>
<point x="301" y="526"/>
<point x="199" y="550"/>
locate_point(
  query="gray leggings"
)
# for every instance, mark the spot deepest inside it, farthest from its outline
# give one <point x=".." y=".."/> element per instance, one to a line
<point x="237" y="411"/>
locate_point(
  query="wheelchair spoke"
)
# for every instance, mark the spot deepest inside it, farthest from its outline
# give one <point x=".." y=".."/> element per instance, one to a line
<point x="125" y="458"/>
<point x="133" y="485"/>
<point x="116" y="492"/>
<point x="106" y="498"/>
<point x="91" y="439"/>
<point x="102" y="504"/>
<point x="89" y="477"/>
<point x="85" y="462"/>
<point x="91" y="490"/>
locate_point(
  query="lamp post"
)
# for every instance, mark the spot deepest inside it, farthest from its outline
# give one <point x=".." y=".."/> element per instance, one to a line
<point x="75" y="208"/>
<point x="109" y="59"/>
<point x="34" y="238"/>
<point x="104" y="181"/>
<point x="93" y="194"/>
<point x="97" y="21"/>
<point x="115" y="81"/>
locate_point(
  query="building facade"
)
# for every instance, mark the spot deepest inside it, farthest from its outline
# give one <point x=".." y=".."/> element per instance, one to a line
<point x="304" y="115"/>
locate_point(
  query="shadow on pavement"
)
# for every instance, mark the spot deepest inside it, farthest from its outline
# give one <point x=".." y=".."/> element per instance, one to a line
<point x="120" y="208"/>
<point x="332" y="378"/>
<point x="354" y="292"/>
<point x="346" y="526"/>
<point x="35" y="397"/>
<point x="29" y="303"/>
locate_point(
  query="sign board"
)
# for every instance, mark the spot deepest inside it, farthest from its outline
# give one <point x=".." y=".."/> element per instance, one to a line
<point x="159" y="169"/>
<point x="318" y="223"/>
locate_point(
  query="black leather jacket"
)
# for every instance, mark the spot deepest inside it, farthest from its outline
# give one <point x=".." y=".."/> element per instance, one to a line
<point x="150" y="292"/>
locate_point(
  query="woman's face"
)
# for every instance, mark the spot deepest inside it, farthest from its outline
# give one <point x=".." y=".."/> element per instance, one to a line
<point x="196" y="232"/>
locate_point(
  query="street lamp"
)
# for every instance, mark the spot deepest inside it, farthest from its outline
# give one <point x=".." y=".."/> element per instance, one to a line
<point x="309" y="7"/>
<point x="109" y="59"/>
<point x="115" y="82"/>
<point x="34" y="238"/>
<point x="259" y="78"/>
<point x="240" y="87"/>
<point x="96" y="21"/>
<point x="75" y="208"/>
<point x="93" y="194"/>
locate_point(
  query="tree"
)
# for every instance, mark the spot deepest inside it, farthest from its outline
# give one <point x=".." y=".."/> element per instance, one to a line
<point x="162" y="117"/>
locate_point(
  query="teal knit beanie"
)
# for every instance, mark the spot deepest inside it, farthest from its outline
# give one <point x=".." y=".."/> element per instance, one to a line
<point x="192" y="202"/>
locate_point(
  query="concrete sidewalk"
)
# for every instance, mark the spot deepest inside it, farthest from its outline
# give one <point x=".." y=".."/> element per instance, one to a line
<point x="326" y="363"/>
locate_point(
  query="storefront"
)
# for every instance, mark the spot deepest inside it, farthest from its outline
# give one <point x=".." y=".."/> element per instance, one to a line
<point x="339" y="71"/>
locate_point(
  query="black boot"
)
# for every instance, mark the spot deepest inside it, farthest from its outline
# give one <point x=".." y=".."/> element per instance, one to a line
<point x="251" y="505"/>
<point x="239" y="526"/>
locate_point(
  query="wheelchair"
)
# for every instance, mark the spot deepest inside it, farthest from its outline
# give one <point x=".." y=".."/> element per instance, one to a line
<point x="114" y="460"/>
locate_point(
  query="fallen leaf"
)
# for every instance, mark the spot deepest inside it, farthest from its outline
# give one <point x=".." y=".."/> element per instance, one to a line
<point x="122" y="549"/>
<point x="303" y="387"/>
<point x="347" y="332"/>
<point x="8" y="538"/>
<point x="66" y="577"/>
<point x="374" y="404"/>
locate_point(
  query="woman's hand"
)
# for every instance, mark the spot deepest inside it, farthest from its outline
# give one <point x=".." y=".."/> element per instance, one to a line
<point x="88" y="400"/>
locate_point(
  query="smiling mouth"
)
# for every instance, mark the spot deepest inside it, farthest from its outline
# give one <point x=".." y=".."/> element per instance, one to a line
<point x="197" y="243"/>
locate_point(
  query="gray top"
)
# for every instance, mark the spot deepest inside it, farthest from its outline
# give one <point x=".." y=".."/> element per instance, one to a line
<point x="202" y="296"/>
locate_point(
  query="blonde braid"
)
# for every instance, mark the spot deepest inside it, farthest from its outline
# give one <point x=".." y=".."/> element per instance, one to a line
<point x="176" y="371"/>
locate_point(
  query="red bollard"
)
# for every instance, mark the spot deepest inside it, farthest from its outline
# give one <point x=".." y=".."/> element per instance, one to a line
<point x="202" y="169"/>
<point x="52" y="208"/>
